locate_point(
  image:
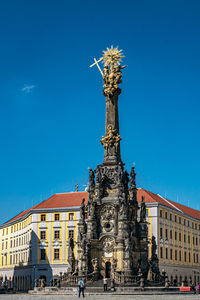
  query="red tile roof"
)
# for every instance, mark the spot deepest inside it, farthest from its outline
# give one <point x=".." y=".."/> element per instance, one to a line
<point x="153" y="198"/>
<point x="65" y="200"/>
<point x="62" y="200"/>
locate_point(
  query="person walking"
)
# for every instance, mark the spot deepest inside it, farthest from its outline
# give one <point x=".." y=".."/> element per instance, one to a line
<point x="81" y="287"/>
<point x="105" y="284"/>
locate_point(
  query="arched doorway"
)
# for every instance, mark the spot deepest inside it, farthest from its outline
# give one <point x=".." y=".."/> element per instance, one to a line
<point x="108" y="269"/>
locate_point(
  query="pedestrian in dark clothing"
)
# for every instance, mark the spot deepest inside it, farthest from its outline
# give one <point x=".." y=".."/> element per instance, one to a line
<point x="81" y="288"/>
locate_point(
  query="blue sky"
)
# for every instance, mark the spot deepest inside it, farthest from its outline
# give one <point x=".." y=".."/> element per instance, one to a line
<point x="52" y="107"/>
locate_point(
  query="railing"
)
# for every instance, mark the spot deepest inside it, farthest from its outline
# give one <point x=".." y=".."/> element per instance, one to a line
<point x="125" y="279"/>
<point x="73" y="279"/>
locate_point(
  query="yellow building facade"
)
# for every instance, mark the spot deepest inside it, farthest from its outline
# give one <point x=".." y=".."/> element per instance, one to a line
<point x="177" y="232"/>
<point x="34" y="244"/>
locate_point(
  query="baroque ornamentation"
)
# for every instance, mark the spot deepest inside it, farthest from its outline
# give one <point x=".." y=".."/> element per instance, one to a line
<point x="112" y="70"/>
<point x="108" y="244"/>
<point x="111" y="140"/>
<point x="107" y="212"/>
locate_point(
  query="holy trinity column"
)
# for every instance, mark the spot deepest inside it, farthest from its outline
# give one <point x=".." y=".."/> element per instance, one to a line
<point x="112" y="240"/>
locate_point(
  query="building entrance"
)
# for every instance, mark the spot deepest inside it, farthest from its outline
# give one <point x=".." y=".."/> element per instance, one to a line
<point x="108" y="269"/>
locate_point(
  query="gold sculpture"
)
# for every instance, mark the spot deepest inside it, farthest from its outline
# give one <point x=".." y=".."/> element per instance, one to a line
<point x="113" y="138"/>
<point x="112" y="69"/>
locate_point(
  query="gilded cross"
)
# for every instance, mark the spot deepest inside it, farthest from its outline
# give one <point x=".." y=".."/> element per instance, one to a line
<point x="96" y="63"/>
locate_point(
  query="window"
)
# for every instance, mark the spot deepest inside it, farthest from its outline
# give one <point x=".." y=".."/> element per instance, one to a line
<point x="166" y="215"/>
<point x="175" y="254"/>
<point x="11" y="259"/>
<point x="43" y="218"/>
<point x="188" y="223"/>
<point x="188" y="239"/>
<point x="161" y="252"/>
<point x="11" y="244"/>
<point x="175" y="218"/>
<point x="195" y="226"/>
<point x="184" y="222"/>
<point x="175" y="235"/>
<point x="196" y="241"/>
<point x="56" y="253"/>
<point x="71" y="233"/>
<point x="194" y="257"/>
<point x="184" y="238"/>
<point x="2" y="246"/>
<point x="193" y="240"/>
<point x="71" y="216"/>
<point x="192" y="225"/>
<point x="170" y="216"/>
<point x="6" y="230"/>
<point x="171" y="234"/>
<point x="161" y="233"/>
<point x="166" y="253"/>
<point x="180" y="236"/>
<point x="42" y="235"/>
<point x="185" y="256"/>
<point x="56" y="217"/>
<point x="16" y="242"/>
<point x="42" y="254"/>
<point x="171" y="256"/>
<point x="189" y="257"/>
<point x="161" y="213"/>
<point x="179" y="220"/>
<point x="179" y="255"/>
<point x="56" y="234"/>
<point x="166" y="233"/>
<point x="11" y="229"/>
<point x="197" y="258"/>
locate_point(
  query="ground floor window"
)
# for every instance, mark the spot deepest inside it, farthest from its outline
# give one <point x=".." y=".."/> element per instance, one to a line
<point x="42" y="254"/>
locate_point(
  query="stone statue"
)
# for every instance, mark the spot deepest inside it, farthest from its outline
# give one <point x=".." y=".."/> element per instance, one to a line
<point x="51" y="282"/>
<point x="91" y="178"/>
<point x="126" y="179"/>
<point x="71" y="247"/>
<point x="58" y="283"/>
<point x="95" y="265"/>
<point x="143" y="211"/>
<point x="83" y="243"/>
<point x="119" y="172"/>
<point x="114" y="266"/>
<point x="42" y="283"/>
<point x="82" y="210"/>
<point x="127" y="245"/>
<point x="132" y="176"/>
<point x="98" y="174"/>
<point x="75" y="268"/>
<point x="36" y="283"/>
<point x="92" y="209"/>
<point x="153" y="248"/>
<point x="123" y="205"/>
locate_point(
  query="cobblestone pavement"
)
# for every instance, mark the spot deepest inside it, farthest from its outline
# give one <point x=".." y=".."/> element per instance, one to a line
<point x="99" y="297"/>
